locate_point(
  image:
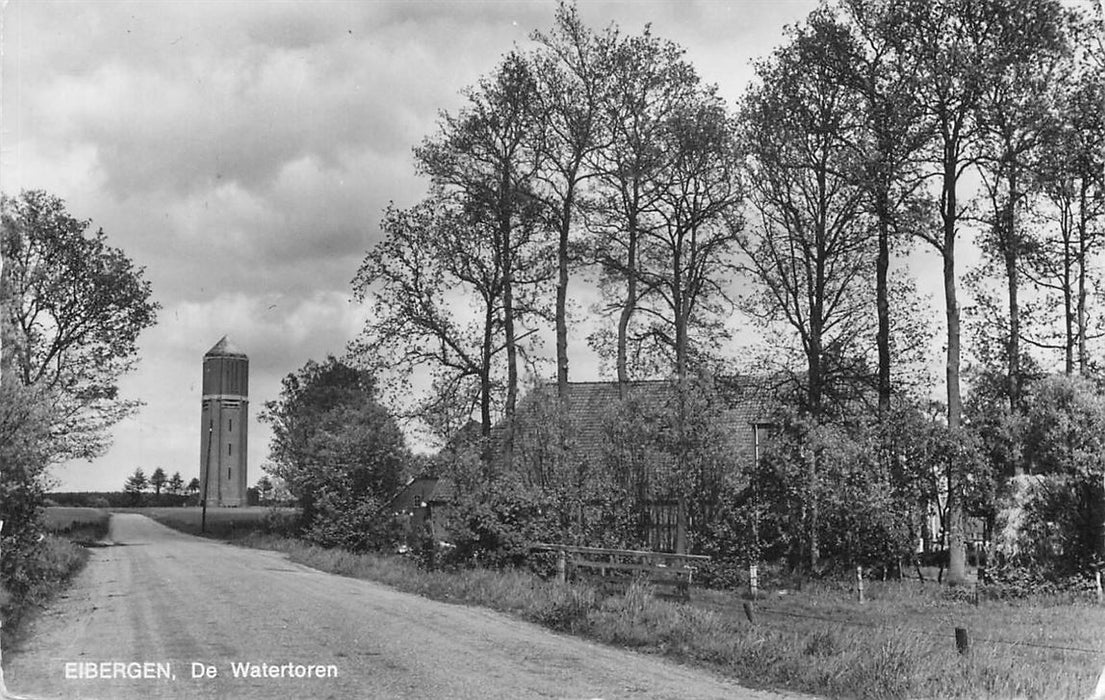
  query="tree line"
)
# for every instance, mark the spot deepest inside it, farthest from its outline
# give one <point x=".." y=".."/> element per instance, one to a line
<point x="874" y="128"/>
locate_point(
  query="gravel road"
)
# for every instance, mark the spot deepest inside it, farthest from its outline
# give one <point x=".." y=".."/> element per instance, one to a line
<point x="167" y="615"/>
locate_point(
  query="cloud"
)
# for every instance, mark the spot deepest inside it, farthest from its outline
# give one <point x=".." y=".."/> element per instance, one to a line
<point x="243" y="153"/>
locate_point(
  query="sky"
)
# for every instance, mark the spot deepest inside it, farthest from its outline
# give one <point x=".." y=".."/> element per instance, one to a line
<point x="243" y="153"/>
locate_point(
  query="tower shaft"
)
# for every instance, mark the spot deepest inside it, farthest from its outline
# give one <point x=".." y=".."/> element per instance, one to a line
<point x="223" y="426"/>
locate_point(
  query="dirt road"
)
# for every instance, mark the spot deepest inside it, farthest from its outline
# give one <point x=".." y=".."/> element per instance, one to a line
<point x="163" y="614"/>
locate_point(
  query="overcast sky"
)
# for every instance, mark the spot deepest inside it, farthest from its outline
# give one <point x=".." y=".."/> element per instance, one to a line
<point x="242" y="152"/>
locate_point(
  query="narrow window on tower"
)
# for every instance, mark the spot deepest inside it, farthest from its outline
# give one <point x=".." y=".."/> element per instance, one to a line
<point x="229" y="448"/>
<point x="228" y="473"/>
<point x="230" y="425"/>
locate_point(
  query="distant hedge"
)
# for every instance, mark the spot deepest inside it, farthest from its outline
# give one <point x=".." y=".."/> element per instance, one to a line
<point x="117" y="499"/>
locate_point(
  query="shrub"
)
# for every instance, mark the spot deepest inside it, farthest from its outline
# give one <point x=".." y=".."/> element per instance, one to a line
<point x="354" y="524"/>
<point x="1048" y="530"/>
<point x="34" y="574"/>
<point x="495" y="525"/>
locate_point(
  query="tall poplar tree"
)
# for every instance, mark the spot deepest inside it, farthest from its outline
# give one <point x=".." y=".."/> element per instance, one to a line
<point x="484" y="156"/>
<point x="811" y="250"/>
<point x="650" y="80"/>
<point x="570" y="69"/>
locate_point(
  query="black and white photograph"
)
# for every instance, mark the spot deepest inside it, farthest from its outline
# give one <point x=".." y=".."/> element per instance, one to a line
<point x="585" y="349"/>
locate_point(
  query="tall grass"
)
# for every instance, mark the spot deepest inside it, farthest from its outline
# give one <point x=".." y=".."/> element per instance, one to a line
<point x="820" y="640"/>
<point x="77" y="524"/>
<point x="40" y="574"/>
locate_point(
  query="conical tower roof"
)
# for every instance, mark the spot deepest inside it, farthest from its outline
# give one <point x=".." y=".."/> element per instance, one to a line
<point x="224" y="348"/>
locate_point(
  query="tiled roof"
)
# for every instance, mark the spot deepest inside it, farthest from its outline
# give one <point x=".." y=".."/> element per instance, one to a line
<point x="747" y="401"/>
<point x="422" y="489"/>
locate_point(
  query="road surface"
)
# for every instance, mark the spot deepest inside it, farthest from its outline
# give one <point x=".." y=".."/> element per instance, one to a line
<point x="167" y="615"/>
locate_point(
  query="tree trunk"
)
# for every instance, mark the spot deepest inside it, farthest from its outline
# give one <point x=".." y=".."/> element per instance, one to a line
<point x="882" y="300"/>
<point x="485" y="374"/>
<point x="678" y="317"/>
<point x="1068" y="294"/>
<point x="814" y="512"/>
<point x="627" y="309"/>
<point x="505" y="215"/>
<point x="1083" y="252"/>
<point x="562" y="301"/>
<point x="957" y="555"/>
<point x="1011" y="252"/>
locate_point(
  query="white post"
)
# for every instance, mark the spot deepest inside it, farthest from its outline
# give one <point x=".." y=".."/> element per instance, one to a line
<point x="753" y="581"/>
<point x="859" y="582"/>
<point x="1097" y="582"/>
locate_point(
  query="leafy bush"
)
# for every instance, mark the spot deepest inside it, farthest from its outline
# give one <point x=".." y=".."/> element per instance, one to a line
<point x="339" y="451"/>
<point x="864" y="508"/>
<point x="494" y="526"/>
<point x="33" y="575"/>
<point x="353" y="524"/>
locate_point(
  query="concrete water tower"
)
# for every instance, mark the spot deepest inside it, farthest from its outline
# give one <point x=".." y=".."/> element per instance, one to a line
<point x="223" y="426"/>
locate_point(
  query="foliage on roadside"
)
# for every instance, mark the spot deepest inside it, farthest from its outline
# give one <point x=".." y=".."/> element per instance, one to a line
<point x="1051" y="529"/>
<point x="71" y="310"/>
<point x="339" y="452"/>
<point x="36" y="574"/>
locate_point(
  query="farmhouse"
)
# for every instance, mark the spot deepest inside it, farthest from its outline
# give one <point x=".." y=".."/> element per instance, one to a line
<point x="616" y="437"/>
<point x="423" y="506"/>
<point x="743" y="408"/>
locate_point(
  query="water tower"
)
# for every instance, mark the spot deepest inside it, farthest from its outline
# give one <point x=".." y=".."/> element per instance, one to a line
<point x="223" y="431"/>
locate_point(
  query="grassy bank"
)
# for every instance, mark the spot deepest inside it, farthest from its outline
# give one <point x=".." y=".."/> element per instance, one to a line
<point x="899" y="643"/>
<point x="45" y="571"/>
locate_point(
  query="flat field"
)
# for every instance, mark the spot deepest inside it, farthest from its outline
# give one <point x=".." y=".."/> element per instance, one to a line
<point x="77" y="524"/>
<point x="220" y="523"/>
<point x="1049" y="646"/>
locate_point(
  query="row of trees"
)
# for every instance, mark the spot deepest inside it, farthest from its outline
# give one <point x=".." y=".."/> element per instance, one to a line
<point x="875" y="126"/>
<point x="138" y="482"/>
<point x="71" y="310"/>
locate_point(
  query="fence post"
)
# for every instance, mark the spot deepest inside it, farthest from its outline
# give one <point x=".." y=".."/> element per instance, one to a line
<point x="753" y="581"/>
<point x="561" y="566"/>
<point x="859" y="583"/>
<point x="962" y="643"/>
<point x="749" y="612"/>
<point x="1097" y="582"/>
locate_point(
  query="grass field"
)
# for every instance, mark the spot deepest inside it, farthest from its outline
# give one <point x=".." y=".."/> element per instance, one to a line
<point x="1046" y="646"/>
<point x="77" y="524"/>
<point x="220" y="523"/>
